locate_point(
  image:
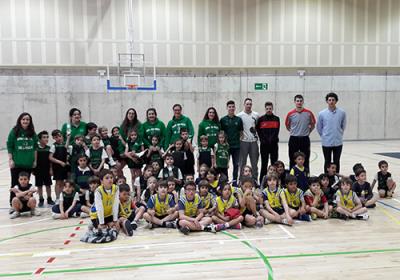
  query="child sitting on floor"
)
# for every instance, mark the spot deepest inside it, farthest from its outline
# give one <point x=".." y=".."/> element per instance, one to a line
<point x="316" y="200"/>
<point x="348" y="203"/>
<point x="23" y="200"/>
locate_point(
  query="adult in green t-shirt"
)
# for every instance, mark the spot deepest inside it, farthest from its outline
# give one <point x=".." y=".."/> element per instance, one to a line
<point x="232" y="125"/>
<point x="75" y="126"/>
<point x="153" y="127"/>
<point x="22" y="143"/>
<point x="129" y="123"/>
<point x="174" y="126"/>
<point x="209" y="126"/>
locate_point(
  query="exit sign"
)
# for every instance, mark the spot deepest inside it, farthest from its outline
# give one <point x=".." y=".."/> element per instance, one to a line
<point x="260" y="86"/>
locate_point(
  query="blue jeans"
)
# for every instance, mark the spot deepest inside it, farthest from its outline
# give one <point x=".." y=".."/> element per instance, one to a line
<point x="235" y="154"/>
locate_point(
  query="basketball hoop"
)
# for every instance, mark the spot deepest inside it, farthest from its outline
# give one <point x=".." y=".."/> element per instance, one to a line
<point x="131" y="86"/>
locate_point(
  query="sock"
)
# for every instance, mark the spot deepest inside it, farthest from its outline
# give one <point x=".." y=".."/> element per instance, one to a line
<point x="226" y="225"/>
<point x="202" y="227"/>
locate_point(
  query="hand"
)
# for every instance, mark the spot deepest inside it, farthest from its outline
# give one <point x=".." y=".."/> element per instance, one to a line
<point x="34" y="164"/>
<point x="248" y="192"/>
<point x="63" y="164"/>
<point x="11" y="163"/>
<point x="325" y="215"/>
<point x="197" y="223"/>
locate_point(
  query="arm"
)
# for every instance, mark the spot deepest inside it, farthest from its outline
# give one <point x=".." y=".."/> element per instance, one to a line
<point x="11" y="147"/>
<point x="168" y="132"/>
<point x="99" y="207"/>
<point x="344" y="121"/>
<point x="190" y="129"/>
<point x="287" y="122"/>
<point x="312" y="122"/>
<point x="285" y="207"/>
<point x="320" y="124"/>
<point x="115" y="208"/>
<point x="200" y="132"/>
<point x="56" y="161"/>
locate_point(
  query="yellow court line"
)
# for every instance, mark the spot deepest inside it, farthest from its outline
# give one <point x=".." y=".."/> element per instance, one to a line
<point x="390" y="216"/>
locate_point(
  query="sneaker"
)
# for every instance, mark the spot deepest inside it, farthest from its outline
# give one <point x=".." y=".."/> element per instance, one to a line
<point x="266" y="221"/>
<point x="305" y="217"/>
<point x="364" y="216"/>
<point x="11" y="210"/>
<point x="134" y="225"/>
<point x="342" y="217"/>
<point x="219" y="227"/>
<point x="34" y="212"/>
<point x="84" y="215"/>
<point x="57" y="201"/>
<point x="50" y="201"/>
<point x="150" y="225"/>
<point x="372" y="206"/>
<point x="41" y="202"/>
<point x="170" y="224"/>
<point x="237" y="226"/>
<point x="314" y="216"/>
<point x="15" y="214"/>
<point x="285" y="222"/>
<point x="185" y="230"/>
<point x="56" y="216"/>
<point x="210" y="228"/>
<point x="128" y="227"/>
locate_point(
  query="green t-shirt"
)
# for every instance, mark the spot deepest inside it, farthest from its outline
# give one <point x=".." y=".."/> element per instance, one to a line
<point x="232" y="127"/>
<point x="22" y="148"/>
<point x="75" y="130"/>
<point x="222" y="155"/>
<point x="150" y="129"/>
<point x="174" y="128"/>
<point x="211" y="129"/>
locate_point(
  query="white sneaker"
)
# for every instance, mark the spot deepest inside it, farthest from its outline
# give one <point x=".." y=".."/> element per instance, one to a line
<point x="266" y="221"/>
<point x="11" y="210"/>
<point x="34" y="212"/>
<point x="364" y="216"/>
<point x="84" y="215"/>
<point x="56" y="216"/>
<point x="14" y="215"/>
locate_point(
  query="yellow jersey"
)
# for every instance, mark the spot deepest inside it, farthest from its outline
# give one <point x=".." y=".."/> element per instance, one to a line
<point x="346" y="200"/>
<point x="223" y="205"/>
<point x="191" y="207"/>
<point x="293" y="199"/>
<point x="273" y="197"/>
<point x="107" y="200"/>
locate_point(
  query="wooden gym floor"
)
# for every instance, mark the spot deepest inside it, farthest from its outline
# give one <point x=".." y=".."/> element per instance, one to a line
<point x="42" y="248"/>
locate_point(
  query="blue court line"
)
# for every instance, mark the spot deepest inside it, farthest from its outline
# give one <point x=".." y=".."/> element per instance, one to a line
<point x="388" y="205"/>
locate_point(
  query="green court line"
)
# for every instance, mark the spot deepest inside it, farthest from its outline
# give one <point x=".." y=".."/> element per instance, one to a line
<point x="38" y="231"/>
<point x="107" y="268"/>
<point x="259" y="253"/>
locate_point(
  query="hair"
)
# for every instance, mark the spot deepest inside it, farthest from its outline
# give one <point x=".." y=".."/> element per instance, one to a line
<point x="290" y="179"/>
<point x="246" y="180"/>
<point x="230" y="102"/>
<point x="359" y="171"/>
<point x="170" y="179"/>
<point x="314" y="180"/>
<point x="90" y="125"/>
<point x="81" y="156"/>
<point x="216" y="118"/>
<point x="30" y="131"/>
<point x="101" y="129"/>
<point x="247" y="99"/>
<point x="169" y="155"/>
<point x="222" y="186"/>
<point x="155" y="136"/>
<point x="204" y="183"/>
<point x="189" y="183"/>
<point x="382" y="162"/>
<point x="298" y="96"/>
<point x="213" y="171"/>
<point x="322" y="176"/>
<point x="279" y="162"/>
<point x="122" y="177"/>
<point x="94" y="180"/>
<point x="346" y="181"/>
<point x="132" y="131"/>
<point x="124" y="188"/>
<point x="70" y="182"/>
<point x="147" y="167"/>
<point x="187" y="175"/>
<point x="183" y="129"/>
<point x="177" y="105"/>
<point x="268" y="103"/>
<point x="72" y="111"/>
<point x="273" y="175"/>
<point x="56" y="132"/>
<point x="203" y="137"/>
<point x="105" y="172"/>
<point x="127" y="124"/>
<point x="163" y="183"/>
<point x="94" y="136"/>
<point x="332" y="94"/>
<point x="23" y="174"/>
<point x="42" y="133"/>
<point x="149" y="110"/>
<point x="249" y="167"/>
<point x="357" y="166"/>
<point x="79" y="136"/>
<point x="299" y="154"/>
<point x="330" y="164"/>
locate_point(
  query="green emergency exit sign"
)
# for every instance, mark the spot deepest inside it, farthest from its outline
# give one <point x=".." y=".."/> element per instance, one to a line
<point x="260" y="86"/>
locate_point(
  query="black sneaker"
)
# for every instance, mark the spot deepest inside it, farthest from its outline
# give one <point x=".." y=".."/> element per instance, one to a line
<point x="134" y="225"/>
<point x="170" y="224"/>
<point x="128" y="227"/>
<point x="50" y="201"/>
<point x="41" y="202"/>
<point x="185" y="230"/>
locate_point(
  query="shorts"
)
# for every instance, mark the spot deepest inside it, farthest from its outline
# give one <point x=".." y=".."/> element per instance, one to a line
<point x="59" y="173"/>
<point x="247" y="212"/>
<point x="25" y="207"/>
<point x="294" y="208"/>
<point x="134" y="165"/>
<point x="160" y="217"/>
<point x="140" y="204"/>
<point x="107" y="220"/>
<point x="279" y="210"/>
<point x="43" y="180"/>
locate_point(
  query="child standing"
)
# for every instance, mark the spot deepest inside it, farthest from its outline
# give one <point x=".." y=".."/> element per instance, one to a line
<point x="178" y="154"/>
<point x="23" y="201"/>
<point x="155" y="152"/>
<point x="43" y="169"/>
<point x="75" y="149"/>
<point x="91" y="130"/>
<point x="386" y="185"/>
<point x="133" y="147"/>
<point x="205" y="153"/>
<point x="363" y="189"/>
<point x="103" y="132"/>
<point x="82" y="175"/>
<point x="97" y="155"/>
<point x="317" y="201"/>
<point x="300" y="171"/>
<point x="348" y="203"/>
<point x="189" y="152"/>
<point x="191" y="215"/>
<point x="222" y="154"/>
<point x="59" y="158"/>
<point x="295" y="200"/>
<point x="170" y="170"/>
<point x="69" y="205"/>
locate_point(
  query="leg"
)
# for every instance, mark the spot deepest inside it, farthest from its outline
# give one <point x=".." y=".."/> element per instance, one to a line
<point x="40" y="191"/>
<point x="254" y="155"/>
<point x="235" y="153"/>
<point x="32" y="203"/>
<point x="270" y="217"/>
<point x="327" y="151"/>
<point x="343" y="211"/>
<point x="293" y="147"/>
<point x="360" y="211"/>
<point x="264" y="160"/>
<point x="372" y="201"/>
<point x="306" y="149"/>
<point x="16" y="204"/>
<point x="139" y="213"/>
<point x="217" y="220"/>
<point x="382" y="193"/>
<point x="391" y="187"/>
<point x="235" y="221"/>
<point x="244" y="152"/>
<point x="48" y="192"/>
<point x="337" y="152"/>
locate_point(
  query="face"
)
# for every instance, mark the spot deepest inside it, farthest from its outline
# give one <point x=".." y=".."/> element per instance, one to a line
<point x="93" y="186"/>
<point x="268" y="110"/>
<point x="299" y="161"/>
<point x="95" y="142"/>
<point x="231" y="109"/>
<point x="25" y="122"/>
<point x="82" y="162"/>
<point x="177" y="111"/>
<point x="384" y="168"/>
<point x="107" y="180"/>
<point x="156" y="166"/>
<point x="114" y="172"/>
<point x="211" y="114"/>
<point x="133" y="136"/>
<point x="331" y="102"/>
<point x="246" y="172"/>
<point x="148" y="172"/>
<point x="185" y="135"/>
<point x="325" y="182"/>
<point x="121" y="181"/>
<point x="221" y="138"/>
<point x="152" y="183"/>
<point x="154" y="141"/>
<point x="169" y="160"/>
<point x="23" y="181"/>
<point x="76" y="117"/>
<point x="299" y="103"/>
<point x="362" y="177"/>
<point x="124" y="196"/>
<point x="151" y="116"/>
<point x="58" y="138"/>
<point x="162" y="190"/>
<point x="345" y="187"/>
<point x="104" y="133"/>
<point x="247" y="105"/>
<point x="131" y="115"/>
<point x="226" y="192"/>
<point x="272" y="182"/>
<point x="247" y="186"/>
<point x="115" y="132"/>
<point x="315" y="188"/>
<point x="292" y="186"/>
<point x="280" y="168"/>
<point x="272" y="169"/>
<point x="68" y="188"/>
<point x="331" y="169"/>
<point x="210" y="177"/>
<point x="203" y="171"/>
<point x="204" y="142"/>
<point x="178" y="145"/>
<point x="190" y="191"/>
<point x="203" y="190"/>
<point x="189" y="178"/>
<point x="92" y="131"/>
<point x="79" y="141"/>
<point x="45" y="139"/>
<point x="171" y="186"/>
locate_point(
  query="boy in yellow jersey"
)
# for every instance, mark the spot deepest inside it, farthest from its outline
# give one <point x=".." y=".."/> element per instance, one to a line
<point x="104" y="211"/>
<point x="161" y="208"/>
<point x="348" y="203"/>
<point x="227" y="214"/>
<point x="295" y="200"/>
<point x="209" y="199"/>
<point x="275" y="209"/>
<point x="191" y="215"/>
<point x="127" y="210"/>
<point x="247" y="201"/>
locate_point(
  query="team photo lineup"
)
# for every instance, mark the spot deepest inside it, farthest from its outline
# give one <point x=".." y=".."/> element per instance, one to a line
<point x="184" y="179"/>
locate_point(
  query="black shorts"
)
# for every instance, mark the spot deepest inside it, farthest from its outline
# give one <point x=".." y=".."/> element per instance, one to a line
<point x="25" y="207"/>
<point x="60" y="173"/>
<point x="247" y="212"/>
<point x="279" y="210"/>
<point x="131" y="216"/>
<point x="140" y="204"/>
<point x="160" y="217"/>
<point x="294" y="208"/>
<point x="107" y="220"/>
<point x="43" y="180"/>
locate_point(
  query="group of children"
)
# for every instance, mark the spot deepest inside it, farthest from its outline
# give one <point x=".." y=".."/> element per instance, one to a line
<point x="166" y="194"/>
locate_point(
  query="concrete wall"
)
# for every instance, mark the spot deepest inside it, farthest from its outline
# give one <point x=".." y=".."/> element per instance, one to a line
<point x="370" y="98"/>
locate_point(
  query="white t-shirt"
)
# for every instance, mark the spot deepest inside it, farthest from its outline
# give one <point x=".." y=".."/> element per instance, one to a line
<point x="76" y="197"/>
<point x="249" y="121"/>
<point x="103" y="154"/>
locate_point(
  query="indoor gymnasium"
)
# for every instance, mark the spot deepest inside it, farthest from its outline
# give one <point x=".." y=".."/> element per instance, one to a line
<point x="199" y="139"/>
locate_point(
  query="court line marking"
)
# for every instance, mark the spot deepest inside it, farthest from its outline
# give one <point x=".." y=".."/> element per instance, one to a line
<point x="396" y="200"/>
<point x="322" y="254"/>
<point x="393" y="218"/>
<point x="26" y="223"/>
<point x="287" y="232"/>
<point x="388" y="205"/>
